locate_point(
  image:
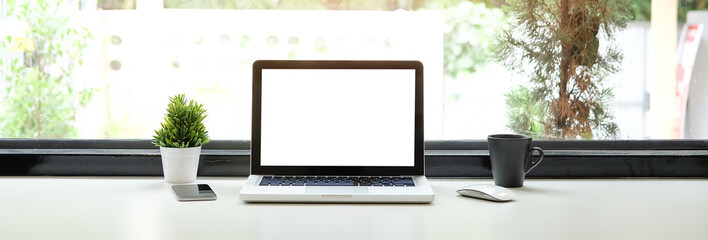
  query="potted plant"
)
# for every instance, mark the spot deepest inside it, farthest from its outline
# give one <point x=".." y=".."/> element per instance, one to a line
<point x="181" y="138"/>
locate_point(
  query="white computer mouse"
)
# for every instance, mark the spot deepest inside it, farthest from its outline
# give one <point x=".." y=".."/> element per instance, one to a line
<point x="487" y="192"/>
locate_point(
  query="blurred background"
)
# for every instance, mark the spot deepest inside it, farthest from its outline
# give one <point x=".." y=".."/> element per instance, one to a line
<point x="104" y="69"/>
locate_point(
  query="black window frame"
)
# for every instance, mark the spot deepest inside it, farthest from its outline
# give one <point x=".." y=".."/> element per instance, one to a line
<point x="444" y="159"/>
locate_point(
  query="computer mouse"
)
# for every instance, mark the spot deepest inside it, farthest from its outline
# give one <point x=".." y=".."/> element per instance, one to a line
<point x="487" y="192"/>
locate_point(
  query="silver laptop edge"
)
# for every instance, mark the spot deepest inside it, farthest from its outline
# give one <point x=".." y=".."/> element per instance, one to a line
<point x="422" y="193"/>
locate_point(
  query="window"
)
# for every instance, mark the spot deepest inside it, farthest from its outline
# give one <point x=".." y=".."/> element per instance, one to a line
<point x="110" y="66"/>
<point x="86" y="69"/>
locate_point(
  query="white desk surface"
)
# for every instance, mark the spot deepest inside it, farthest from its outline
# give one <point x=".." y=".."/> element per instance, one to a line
<point x="144" y="208"/>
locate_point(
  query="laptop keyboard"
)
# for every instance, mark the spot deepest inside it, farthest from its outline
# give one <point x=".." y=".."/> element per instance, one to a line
<point x="337" y="181"/>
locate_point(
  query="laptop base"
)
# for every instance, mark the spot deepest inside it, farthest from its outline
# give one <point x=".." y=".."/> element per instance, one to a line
<point x="421" y="193"/>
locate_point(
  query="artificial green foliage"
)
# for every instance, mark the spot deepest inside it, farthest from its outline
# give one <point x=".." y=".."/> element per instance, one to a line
<point x="39" y="99"/>
<point x="557" y="44"/>
<point x="183" y="126"/>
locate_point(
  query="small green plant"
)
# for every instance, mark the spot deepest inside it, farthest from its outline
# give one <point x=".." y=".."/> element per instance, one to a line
<point x="183" y="126"/>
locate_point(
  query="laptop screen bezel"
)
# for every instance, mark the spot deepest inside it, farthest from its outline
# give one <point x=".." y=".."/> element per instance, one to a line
<point x="257" y="169"/>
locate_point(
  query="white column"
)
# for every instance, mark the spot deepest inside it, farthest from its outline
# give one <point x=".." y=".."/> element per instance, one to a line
<point x="662" y="71"/>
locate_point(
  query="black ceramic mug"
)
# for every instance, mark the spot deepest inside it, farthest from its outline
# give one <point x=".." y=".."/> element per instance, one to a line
<point x="512" y="158"/>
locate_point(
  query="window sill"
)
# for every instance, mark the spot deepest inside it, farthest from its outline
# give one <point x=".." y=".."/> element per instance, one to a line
<point x="447" y="159"/>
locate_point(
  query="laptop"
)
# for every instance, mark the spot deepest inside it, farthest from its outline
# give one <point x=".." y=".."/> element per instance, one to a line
<point x="337" y="131"/>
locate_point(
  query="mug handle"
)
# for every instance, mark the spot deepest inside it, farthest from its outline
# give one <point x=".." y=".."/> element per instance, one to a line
<point x="530" y="163"/>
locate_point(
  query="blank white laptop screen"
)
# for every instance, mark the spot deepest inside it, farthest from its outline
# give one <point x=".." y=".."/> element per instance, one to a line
<point x="354" y="117"/>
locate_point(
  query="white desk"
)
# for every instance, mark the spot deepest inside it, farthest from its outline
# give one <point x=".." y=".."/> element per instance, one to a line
<point x="144" y="208"/>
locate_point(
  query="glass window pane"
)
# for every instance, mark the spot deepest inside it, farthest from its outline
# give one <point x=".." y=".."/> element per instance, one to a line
<point x="105" y="69"/>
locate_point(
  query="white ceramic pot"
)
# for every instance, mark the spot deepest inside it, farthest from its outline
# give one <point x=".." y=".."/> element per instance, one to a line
<point x="180" y="164"/>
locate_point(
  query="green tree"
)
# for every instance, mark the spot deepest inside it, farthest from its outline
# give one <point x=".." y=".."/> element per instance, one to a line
<point x="526" y="114"/>
<point x="39" y="100"/>
<point x="557" y="43"/>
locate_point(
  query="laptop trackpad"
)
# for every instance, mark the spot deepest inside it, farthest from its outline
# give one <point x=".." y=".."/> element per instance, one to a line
<point x="337" y="190"/>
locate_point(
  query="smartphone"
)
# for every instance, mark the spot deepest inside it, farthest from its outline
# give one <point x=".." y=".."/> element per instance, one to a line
<point x="193" y="192"/>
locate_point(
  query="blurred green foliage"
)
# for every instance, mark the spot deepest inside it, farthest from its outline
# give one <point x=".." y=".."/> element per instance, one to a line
<point x="466" y="40"/>
<point x="641" y="9"/>
<point x="296" y="4"/>
<point x="371" y="5"/>
<point x="115" y="4"/>
<point x="526" y="113"/>
<point x="39" y="100"/>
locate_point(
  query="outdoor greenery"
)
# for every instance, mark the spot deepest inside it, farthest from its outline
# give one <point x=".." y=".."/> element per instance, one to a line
<point x="296" y="4"/>
<point x="687" y="5"/>
<point x="526" y="114"/>
<point x="371" y="5"/>
<point x="467" y="29"/>
<point x="183" y="126"/>
<point x="557" y="44"/>
<point x="641" y="9"/>
<point x="40" y="100"/>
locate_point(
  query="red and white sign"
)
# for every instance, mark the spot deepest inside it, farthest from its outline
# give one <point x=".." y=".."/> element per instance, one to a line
<point x="685" y="58"/>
